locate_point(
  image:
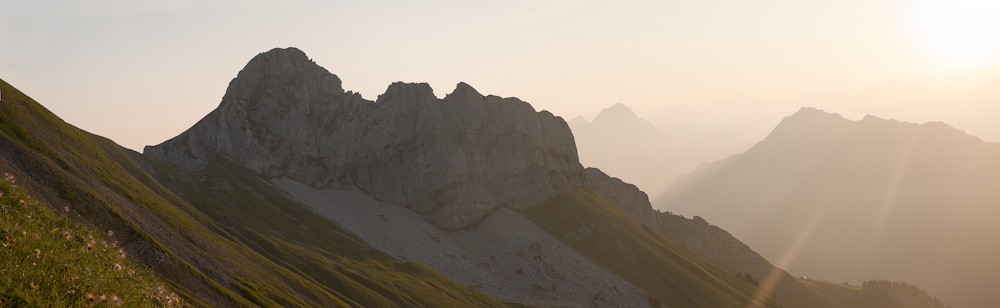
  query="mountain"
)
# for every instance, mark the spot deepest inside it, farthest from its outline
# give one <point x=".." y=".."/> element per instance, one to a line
<point x="858" y="200"/>
<point x="477" y="187"/>
<point x="295" y="193"/>
<point x="620" y="142"/>
<point x="208" y="260"/>
<point x="284" y="116"/>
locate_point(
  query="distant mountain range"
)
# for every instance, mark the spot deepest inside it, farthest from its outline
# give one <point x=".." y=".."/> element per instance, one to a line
<point x="620" y="142"/>
<point x="849" y="200"/>
<point x="297" y="193"/>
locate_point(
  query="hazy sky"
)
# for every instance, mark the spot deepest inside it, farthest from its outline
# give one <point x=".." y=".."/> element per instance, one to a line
<point x="140" y="72"/>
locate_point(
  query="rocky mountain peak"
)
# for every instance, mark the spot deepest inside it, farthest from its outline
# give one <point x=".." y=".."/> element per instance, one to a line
<point x="454" y="159"/>
<point x="278" y="62"/>
<point x="400" y="89"/>
<point x="464" y="90"/>
<point x="279" y="67"/>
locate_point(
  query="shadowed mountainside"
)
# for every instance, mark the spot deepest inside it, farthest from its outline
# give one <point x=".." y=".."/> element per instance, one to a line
<point x="706" y="240"/>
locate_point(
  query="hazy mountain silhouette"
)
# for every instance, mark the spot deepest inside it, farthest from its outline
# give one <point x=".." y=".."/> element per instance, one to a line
<point x="855" y="200"/>
<point x="621" y="143"/>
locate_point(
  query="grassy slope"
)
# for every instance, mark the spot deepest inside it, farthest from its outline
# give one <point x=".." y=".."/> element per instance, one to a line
<point x="678" y="278"/>
<point x="46" y="260"/>
<point x="875" y="294"/>
<point x="64" y="167"/>
<point x="257" y="213"/>
<point x="210" y="263"/>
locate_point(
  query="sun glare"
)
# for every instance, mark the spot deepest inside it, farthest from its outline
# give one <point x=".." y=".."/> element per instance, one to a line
<point x="961" y="33"/>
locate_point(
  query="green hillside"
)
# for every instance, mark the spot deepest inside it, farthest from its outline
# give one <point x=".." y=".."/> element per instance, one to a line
<point x="208" y="262"/>
<point x="674" y="276"/>
<point x="47" y="260"/>
<point x="290" y="234"/>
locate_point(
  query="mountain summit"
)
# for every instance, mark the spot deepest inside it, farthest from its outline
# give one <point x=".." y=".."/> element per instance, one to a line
<point x="453" y="159"/>
<point x="519" y="212"/>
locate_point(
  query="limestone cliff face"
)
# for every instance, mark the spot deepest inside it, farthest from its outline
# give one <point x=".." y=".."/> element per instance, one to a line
<point x="453" y="160"/>
<point x="708" y="241"/>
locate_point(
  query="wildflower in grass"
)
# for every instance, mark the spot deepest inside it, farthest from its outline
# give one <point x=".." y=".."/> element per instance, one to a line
<point x="160" y="290"/>
<point x="89" y="296"/>
<point x="38" y="253"/>
<point x="121" y="252"/>
<point x="117" y="267"/>
<point x="22" y="204"/>
<point x="103" y="298"/>
<point x="111" y="233"/>
<point x="68" y="235"/>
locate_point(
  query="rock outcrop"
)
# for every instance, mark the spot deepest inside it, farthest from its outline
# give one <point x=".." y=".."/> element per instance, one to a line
<point x="454" y="160"/>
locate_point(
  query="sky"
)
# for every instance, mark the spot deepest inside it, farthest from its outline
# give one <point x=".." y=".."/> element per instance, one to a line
<point x="141" y="72"/>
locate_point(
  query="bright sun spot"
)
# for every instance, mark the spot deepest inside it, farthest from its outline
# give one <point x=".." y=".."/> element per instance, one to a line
<point x="961" y="33"/>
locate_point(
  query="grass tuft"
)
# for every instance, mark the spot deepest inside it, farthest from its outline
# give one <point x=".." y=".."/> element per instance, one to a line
<point x="47" y="260"/>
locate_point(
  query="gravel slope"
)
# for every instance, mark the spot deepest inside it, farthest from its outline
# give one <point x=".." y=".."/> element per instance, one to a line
<point x="504" y="255"/>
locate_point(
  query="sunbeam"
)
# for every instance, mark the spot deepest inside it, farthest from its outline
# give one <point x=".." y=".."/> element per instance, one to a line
<point x="889" y="197"/>
<point x="790" y="254"/>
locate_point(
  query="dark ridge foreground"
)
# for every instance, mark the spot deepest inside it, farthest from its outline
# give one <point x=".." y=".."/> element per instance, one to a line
<point x="209" y="263"/>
